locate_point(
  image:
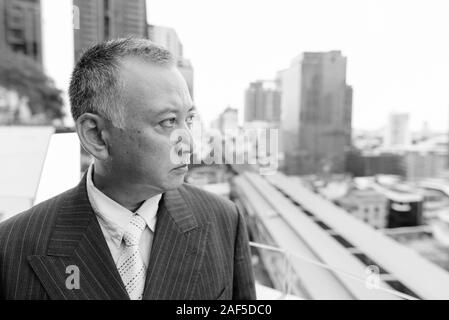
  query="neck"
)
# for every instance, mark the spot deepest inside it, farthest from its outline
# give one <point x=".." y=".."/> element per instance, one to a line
<point x="118" y="189"/>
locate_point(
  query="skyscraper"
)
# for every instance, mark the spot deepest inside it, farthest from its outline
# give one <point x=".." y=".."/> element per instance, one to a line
<point x="20" y="27"/>
<point x="227" y="120"/>
<point x="316" y="114"/>
<point x="397" y="133"/>
<point x="168" y="38"/>
<point x="262" y="102"/>
<point x="186" y="69"/>
<point x="101" y="20"/>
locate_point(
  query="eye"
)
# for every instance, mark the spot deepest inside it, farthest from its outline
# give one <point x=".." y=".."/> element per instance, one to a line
<point x="189" y="119"/>
<point x="168" y="123"/>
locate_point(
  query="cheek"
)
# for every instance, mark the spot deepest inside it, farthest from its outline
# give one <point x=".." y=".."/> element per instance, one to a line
<point x="155" y="147"/>
<point x="128" y="147"/>
<point x="131" y="145"/>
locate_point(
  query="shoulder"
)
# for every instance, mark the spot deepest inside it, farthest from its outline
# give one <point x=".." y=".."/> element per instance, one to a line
<point x="211" y="204"/>
<point x="30" y="224"/>
<point x="206" y="198"/>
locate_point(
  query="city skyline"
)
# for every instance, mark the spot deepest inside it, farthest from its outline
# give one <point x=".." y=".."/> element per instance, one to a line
<point x="396" y="52"/>
<point x="395" y="64"/>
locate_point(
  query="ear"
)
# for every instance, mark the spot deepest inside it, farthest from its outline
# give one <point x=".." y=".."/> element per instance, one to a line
<point x="93" y="134"/>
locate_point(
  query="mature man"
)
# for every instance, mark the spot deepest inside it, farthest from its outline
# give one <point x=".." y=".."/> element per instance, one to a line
<point x="131" y="229"/>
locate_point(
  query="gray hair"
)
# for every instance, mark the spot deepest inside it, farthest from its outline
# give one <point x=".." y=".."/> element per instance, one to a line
<point x="95" y="85"/>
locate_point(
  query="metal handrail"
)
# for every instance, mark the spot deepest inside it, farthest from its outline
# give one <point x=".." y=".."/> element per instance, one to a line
<point x="322" y="265"/>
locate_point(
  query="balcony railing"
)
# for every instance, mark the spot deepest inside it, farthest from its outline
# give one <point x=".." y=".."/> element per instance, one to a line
<point x="284" y="289"/>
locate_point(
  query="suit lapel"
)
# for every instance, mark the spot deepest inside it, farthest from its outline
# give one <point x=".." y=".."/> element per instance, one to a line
<point x="77" y="243"/>
<point x="177" y="251"/>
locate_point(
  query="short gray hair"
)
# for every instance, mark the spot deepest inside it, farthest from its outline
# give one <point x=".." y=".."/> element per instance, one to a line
<point x="95" y="85"/>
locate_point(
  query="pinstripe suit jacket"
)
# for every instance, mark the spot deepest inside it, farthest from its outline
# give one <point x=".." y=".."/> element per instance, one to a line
<point x="200" y="250"/>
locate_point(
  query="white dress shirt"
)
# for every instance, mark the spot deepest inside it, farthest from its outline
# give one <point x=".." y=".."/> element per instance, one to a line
<point x="113" y="218"/>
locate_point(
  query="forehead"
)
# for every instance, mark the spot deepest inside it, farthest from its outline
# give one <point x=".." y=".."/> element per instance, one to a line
<point x="151" y="87"/>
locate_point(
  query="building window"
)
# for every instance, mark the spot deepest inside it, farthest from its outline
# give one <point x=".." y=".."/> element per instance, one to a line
<point x="17" y="33"/>
<point x="35" y="50"/>
<point x="106" y="5"/>
<point x="106" y="27"/>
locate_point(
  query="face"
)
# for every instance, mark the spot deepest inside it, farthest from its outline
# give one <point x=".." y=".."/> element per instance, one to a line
<point x="157" y="105"/>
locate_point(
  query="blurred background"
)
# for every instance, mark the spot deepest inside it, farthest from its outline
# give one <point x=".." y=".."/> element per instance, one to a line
<point x="352" y="98"/>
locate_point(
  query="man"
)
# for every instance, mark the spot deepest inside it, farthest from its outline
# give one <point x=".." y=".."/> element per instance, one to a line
<point x="131" y="229"/>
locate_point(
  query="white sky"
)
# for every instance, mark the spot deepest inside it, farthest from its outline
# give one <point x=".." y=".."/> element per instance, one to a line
<point x="397" y="50"/>
<point x="58" y="52"/>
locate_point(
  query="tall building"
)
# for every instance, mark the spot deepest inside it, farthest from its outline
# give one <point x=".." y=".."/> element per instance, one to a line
<point x="316" y="114"/>
<point x="186" y="69"/>
<point x="101" y="20"/>
<point x="262" y="102"/>
<point x="397" y="133"/>
<point x="228" y="120"/>
<point x="20" y="27"/>
<point x="168" y="38"/>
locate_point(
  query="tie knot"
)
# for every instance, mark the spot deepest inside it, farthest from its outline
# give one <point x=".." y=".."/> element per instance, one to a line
<point x="134" y="231"/>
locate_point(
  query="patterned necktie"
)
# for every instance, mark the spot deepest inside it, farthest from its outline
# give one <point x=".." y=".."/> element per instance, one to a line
<point x="130" y="264"/>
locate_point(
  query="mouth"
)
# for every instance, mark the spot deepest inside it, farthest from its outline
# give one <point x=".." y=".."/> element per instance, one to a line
<point x="181" y="167"/>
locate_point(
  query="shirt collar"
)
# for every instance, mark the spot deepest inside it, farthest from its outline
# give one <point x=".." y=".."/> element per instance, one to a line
<point x="114" y="216"/>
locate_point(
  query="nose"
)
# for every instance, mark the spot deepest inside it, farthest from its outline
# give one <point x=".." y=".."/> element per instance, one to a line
<point x="183" y="144"/>
<point x="186" y="143"/>
<point x="186" y="140"/>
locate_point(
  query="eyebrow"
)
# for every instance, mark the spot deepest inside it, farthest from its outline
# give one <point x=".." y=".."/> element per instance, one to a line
<point x="174" y="110"/>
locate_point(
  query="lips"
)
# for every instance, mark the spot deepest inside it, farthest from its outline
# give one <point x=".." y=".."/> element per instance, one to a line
<point x="180" y="167"/>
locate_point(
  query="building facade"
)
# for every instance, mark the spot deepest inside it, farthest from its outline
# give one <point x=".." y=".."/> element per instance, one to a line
<point x="397" y="133"/>
<point x="262" y="102"/>
<point x="367" y="205"/>
<point x="168" y="38"/>
<point x="425" y="165"/>
<point x="427" y="158"/>
<point x="101" y="20"/>
<point x="186" y="69"/>
<point x="316" y="114"/>
<point x="20" y="27"/>
<point x="363" y="164"/>
<point x="228" y="120"/>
